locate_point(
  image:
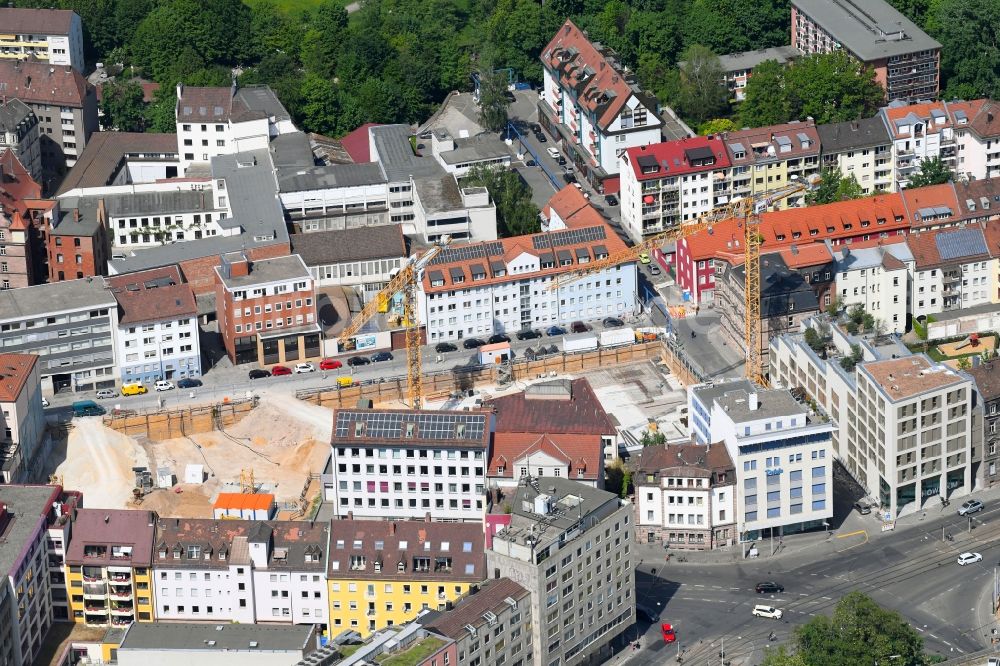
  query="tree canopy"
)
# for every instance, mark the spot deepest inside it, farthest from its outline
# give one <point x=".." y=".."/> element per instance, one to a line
<point x="834" y="186"/>
<point x="516" y="214"/>
<point x="933" y="171"/>
<point x="122" y="106"/>
<point x="702" y="92"/>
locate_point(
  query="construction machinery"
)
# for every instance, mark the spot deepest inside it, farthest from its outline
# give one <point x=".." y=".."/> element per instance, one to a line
<point x="747" y="209"/>
<point x="405" y="282"/>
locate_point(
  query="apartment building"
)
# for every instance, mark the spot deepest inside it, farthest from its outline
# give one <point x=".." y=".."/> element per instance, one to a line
<point x="492" y="625"/>
<point x="289" y="566"/>
<point x="919" y="131"/>
<point x="906" y="61"/>
<point x="76" y="239"/>
<point x="685" y="496"/>
<point x="881" y="408"/>
<point x="737" y="68"/>
<point x="765" y="159"/>
<point x="108" y="567"/>
<point x="862" y="149"/>
<point x="21" y="254"/>
<point x="988" y="390"/>
<point x="877" y="276"/>
<point x="19" y="134"/>
<point x="267" y="309"/>
<point x="383" y="573"/>
<point x="64" y="103"/>
<point x="149" y="219"/>
<point x="593" y="105"/>
<point x="571" y="546"/>
<point x="333" y="197"/>
<point x="782" y="452"/>
<point x="70" y="326"/>
<point x="977" y="130"/>
<point x="556" y="428"/>
<point x="407" y="464"/>
<point x="932" y="207"/>
<point x="209" y="644"/>
<point x="952" y="270"/>
<point x="503" y="286"/>
<point x="22" y="422"/>
<point x="59" y="534"/>
<point x="25" y="603"/>
<point x="663" y="184"/>
<point x="157" y="332"/>
<point x="51" y="35"/>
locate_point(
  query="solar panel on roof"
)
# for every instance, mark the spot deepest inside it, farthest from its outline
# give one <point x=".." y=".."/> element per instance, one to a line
<point x="426" y="425"/>
<point x="568" y="237"/>
<point x="962" y="243"/>
<point x="466" y="252"/>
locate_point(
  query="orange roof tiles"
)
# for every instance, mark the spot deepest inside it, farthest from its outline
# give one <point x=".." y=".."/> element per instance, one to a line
<point x="15" y="369"/>
<point x="244" y="501"/>
<point x="811" y="254"/>
<point x="580" y="453"/>
<point x="909" y="113"/>
<point x="566" y="203"/>
<point x="931" y="196"/>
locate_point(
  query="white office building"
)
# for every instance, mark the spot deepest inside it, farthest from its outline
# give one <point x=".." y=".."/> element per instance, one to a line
<point x="877" y="278"/>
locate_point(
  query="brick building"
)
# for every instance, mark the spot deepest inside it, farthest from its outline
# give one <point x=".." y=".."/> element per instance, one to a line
<point x="19" y="243"/>
<point x="77" y="240"/>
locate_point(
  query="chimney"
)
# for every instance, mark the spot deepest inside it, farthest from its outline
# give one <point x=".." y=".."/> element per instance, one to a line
<point x="392" y="528"/>
<point x="238" y="265"/>
<point x="427" y="517"/>
<point x="752" y="402"/>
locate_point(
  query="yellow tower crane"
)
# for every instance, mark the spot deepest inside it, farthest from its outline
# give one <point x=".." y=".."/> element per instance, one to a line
<point x="405" y="282"/>
<point x="747" y="209"/>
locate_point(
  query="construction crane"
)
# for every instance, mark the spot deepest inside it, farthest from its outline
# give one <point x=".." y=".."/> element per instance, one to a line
<point x="405" y="282"/>
<point x="746" y="208"/>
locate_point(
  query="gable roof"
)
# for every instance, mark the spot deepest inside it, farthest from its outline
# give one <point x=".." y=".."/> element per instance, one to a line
<point x="357" y="143"/>
<point x="899" y="114"/>
<point x="941" y="247"/>
<point x="691" y="459"/>
<point x="37" y="82"/>
<point x="319" y="248"/>
<point x="579" y="454"/>
<point x="14" y="372"/>
<point x="158" y="294"/>
<point x="676" y="158"/>
<point x="492" y="597"/>
<point x="852" y="135"/>
<point x="36" y="21"/>
<point x="106" y="152"/>
<point x="932" y="204"/>
<point x="772" y="143"/>
<point x="809" y="254"/>
<point x="538" y="410"/>
<point x="16" y="186"/>
<point x="986" y="121"/>
<point x="107" y="527"/>
<point x="978" y="198"/>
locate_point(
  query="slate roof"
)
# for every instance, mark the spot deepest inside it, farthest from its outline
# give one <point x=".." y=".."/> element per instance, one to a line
<point x="320" y="248"/>
<point x="158" y="294"/>
<point x="471" y="608"/>
<point x="866" y="28"/>
<point x="783" y="292"/>
<point x="27" y="504"/>
<point x="987" y="377"/>
<point x="13" y="112"/>
<point x="15" y="369"/>
<point x="36" y="21"/>
<point x="688" y="460"/>
<point x="105" y="153"/>
<point x="107" y="527"/>
<point x="755" y="142"/>
<point x="853" y="135"/>
<point x="37" y="82"/>
<point x="530" y="411"/>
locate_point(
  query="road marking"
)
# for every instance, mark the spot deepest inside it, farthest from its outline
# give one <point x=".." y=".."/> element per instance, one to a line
<point x="828" y="598"/>
<point x="803" y="594"/>
<point x="919" y="629"/>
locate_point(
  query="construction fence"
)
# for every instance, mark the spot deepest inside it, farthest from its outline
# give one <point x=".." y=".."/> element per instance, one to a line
<point x="441" y="385"/>
<point x="169" y="424"/>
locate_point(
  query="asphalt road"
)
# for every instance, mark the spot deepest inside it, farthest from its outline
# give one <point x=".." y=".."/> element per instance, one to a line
<point x="913" y="571"/>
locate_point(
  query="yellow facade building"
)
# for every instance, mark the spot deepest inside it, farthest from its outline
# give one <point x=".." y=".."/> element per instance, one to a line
<point x="765" y="159"/>
<point x="382" y="573"/>
<point x="108" y="567"/>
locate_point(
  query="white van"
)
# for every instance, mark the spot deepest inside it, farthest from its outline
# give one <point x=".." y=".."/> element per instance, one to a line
<point x="553" y="152"/>
<point x="767" y="611"/>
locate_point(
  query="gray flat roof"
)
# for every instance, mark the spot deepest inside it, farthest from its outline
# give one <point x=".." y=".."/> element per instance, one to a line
<point x="154" y="203"/>
<point x="328" y="177"/>
<point x="27" y="504"/>
<point x="439" y="194"/>
<point x="395" y="154"/>
<point x="871" y="29"/>
<point x="263" y="100"/>
<point x="269" y="270"/>
<point x="853" y="135"/>
<point x="292" y="151"/>
<point x="473" y="149"/>
<point x="192" y="636"/>
<point x="320" y="248"/>
<point x="77" y="217"/>
<point x="572" y="500"/>
<point x="709" y="393"/>
<point x="44" y="299"/>
<point x="734" y="62"/>
<point x="770" y="403"/>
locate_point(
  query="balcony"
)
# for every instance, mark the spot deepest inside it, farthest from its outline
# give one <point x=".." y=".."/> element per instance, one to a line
<point x="88" y="608"/>
<point x="99" y="591"/>
<point x="121" y="594"/>
<point x="123" y="611"/>
<point x="118" y="579"/>
<point x="93" y="579"/>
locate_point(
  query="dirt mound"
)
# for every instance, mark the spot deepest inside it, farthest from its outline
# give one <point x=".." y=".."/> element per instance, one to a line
<point x="269" y="426"/>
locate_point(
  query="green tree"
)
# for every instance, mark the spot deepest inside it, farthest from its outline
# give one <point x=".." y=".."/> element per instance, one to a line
<point x="813" y="339"/>
<point x="650" y="438"/>
<point x="933" y="171"/>
<point x="321" y="44"/>
<point x="728" y="26"/>
<point x="834" y="186"/>
<point x="703" y="93"/>
<point x="831" y="87"/>
<point x="964" y="363"/>
<point x="717" y="126"/>
<point x="160" y="113"/>
<point x="122" y="106"/>
<point x="765" y="100"/>
<point x="493" y="102"/>
<point x="320" y="105"/>
<point x="970" y="62"/>
<point x="516" y="214"/>
<point x="626" y="482"/>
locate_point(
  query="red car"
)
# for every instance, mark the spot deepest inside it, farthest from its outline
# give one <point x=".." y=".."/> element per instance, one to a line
<point x="330" y="364"/>
<point x="668" y="633"/>
<point x="279" y="370"/>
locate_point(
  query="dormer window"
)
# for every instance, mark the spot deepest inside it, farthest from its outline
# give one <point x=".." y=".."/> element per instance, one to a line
<point x="421" y="564"/>
<point x="193" y="552"/>
<point x="357" y="562"/>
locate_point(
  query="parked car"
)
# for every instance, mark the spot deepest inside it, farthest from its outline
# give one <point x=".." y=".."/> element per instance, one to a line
<point x="531" y="163"/>
<point x="654" y="269"/>
<point x="258" y="373"/>
<point x="188" y="383"/>
<point x="668" y="633"/>
<point x="646" y="613"/>
<point x="766" y="611"/>
<point x="768" y="588"/>
<point x="472" y="343"/>
<point x="330" y="364"/>
<point x="569" y="178"/>
<point x="612" y="322"/>
<point x="445" y="347"/>
<point x="163" y="385"/>
<point x="969" y="558"/>
<point x="972" y="506"/>
<point x="553" y="152"/>
<point x="87" y="408"/>
<point x="303" y="368"/>
<point x="358" y="360"/>
<point x="280" y="370"/>
<point x="579" y="327"/>
<point x="644" y="257"/>
<point x="863" y="507"/>
<point x="554" y="331"/>
<point x="106" y="393"/>
<point x="378" y="357"/>
<point x="561" y="160"/>
<point x="498" y="338"/>
<point x="611" y="200"/>
<point x="535" y="127"/>
<point x="134" y="389"/>
<point x="540" y="136"/>
<point x="528" y="335"/>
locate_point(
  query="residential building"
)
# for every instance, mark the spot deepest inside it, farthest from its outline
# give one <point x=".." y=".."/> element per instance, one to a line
<point x="932" y="207"/>
<point x="988" y="389"/>
<point x="815" y="263"/>
<point x="267" y="309"/>
<point x="157" y="332"/>
<point x="108" y="566"/>
<point x="383" y="573"/>
<point x="52" y="35"/>
<point x="905" y="60"/>
<point x="504" y="285"/>
<point x="224" y="121"/>
<point x="593" y="105"/>
<point x="21" y="246"/>
<point x="459" y="155"/>
<point x="60" y="532"/>
<point x="492" y="624"/>
<point x="738" y="67"/>
<point x="365" y="258"/>
<point x="765" y="159"/>
<point x="782" y="452"/>
<point x="978" y="200"/>
<point x="665" y="183"/>
<point x="555" y="428"/>
<point x="977" y="130"/>
<point x="19" y="134"/>
<point x="70" y="326"/>
<point x="786" y="299"/>
<point x="880" y="407"/>
<point x="209" y="644"/>
<point x="333" y="197"/>
<point x="76" y="238"/>
<point x="952" y="270"/>
<point x="112" y="159"/>
<point x="407" y="464"/>
<point x="25" y="603"/>
<point x="150" y="219"/>
<point x="919" y="131"/>
<point x="579" y="602"/>
<point x="22" y="422"/>
<point x="877" y="276"/>
<point x="862" y="149"/>
<point x="685" y="496"/>
<point x="64" y="103"/>
<point x="289" y="566"/>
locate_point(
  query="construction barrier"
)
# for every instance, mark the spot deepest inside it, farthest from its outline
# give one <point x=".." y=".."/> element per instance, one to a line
<point x="169" y="424"/>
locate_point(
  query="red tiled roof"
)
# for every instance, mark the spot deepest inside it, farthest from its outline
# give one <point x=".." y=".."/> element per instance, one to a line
<point x="579" y="453"/>
<point x="357" y="144"/>
<point x="208" y="104"/>
<point x="472" y="608"/>
<point x="697" y="460"/>
<point x="925" y="246"/>
<point x="573" y="208"/>
<point x="677" y="158"/>
<point x="758" y="142"/>
<point x="36" y="21"/>
<point x="986" y="120"/>
<point x="810" y="254"/>
<point x="153" y="295"/>
<point x="14" y="372"/>
<point x="16" y="185"/>
<point x="37" y="82"/>
<point x="107" y="527"/>
<point x="581" y="414"/>
<point x="921" y="111"/>
<point x="931" y="196"/>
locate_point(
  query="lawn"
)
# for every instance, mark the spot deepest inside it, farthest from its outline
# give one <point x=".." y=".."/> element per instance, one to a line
<point x="415" y="655"/>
